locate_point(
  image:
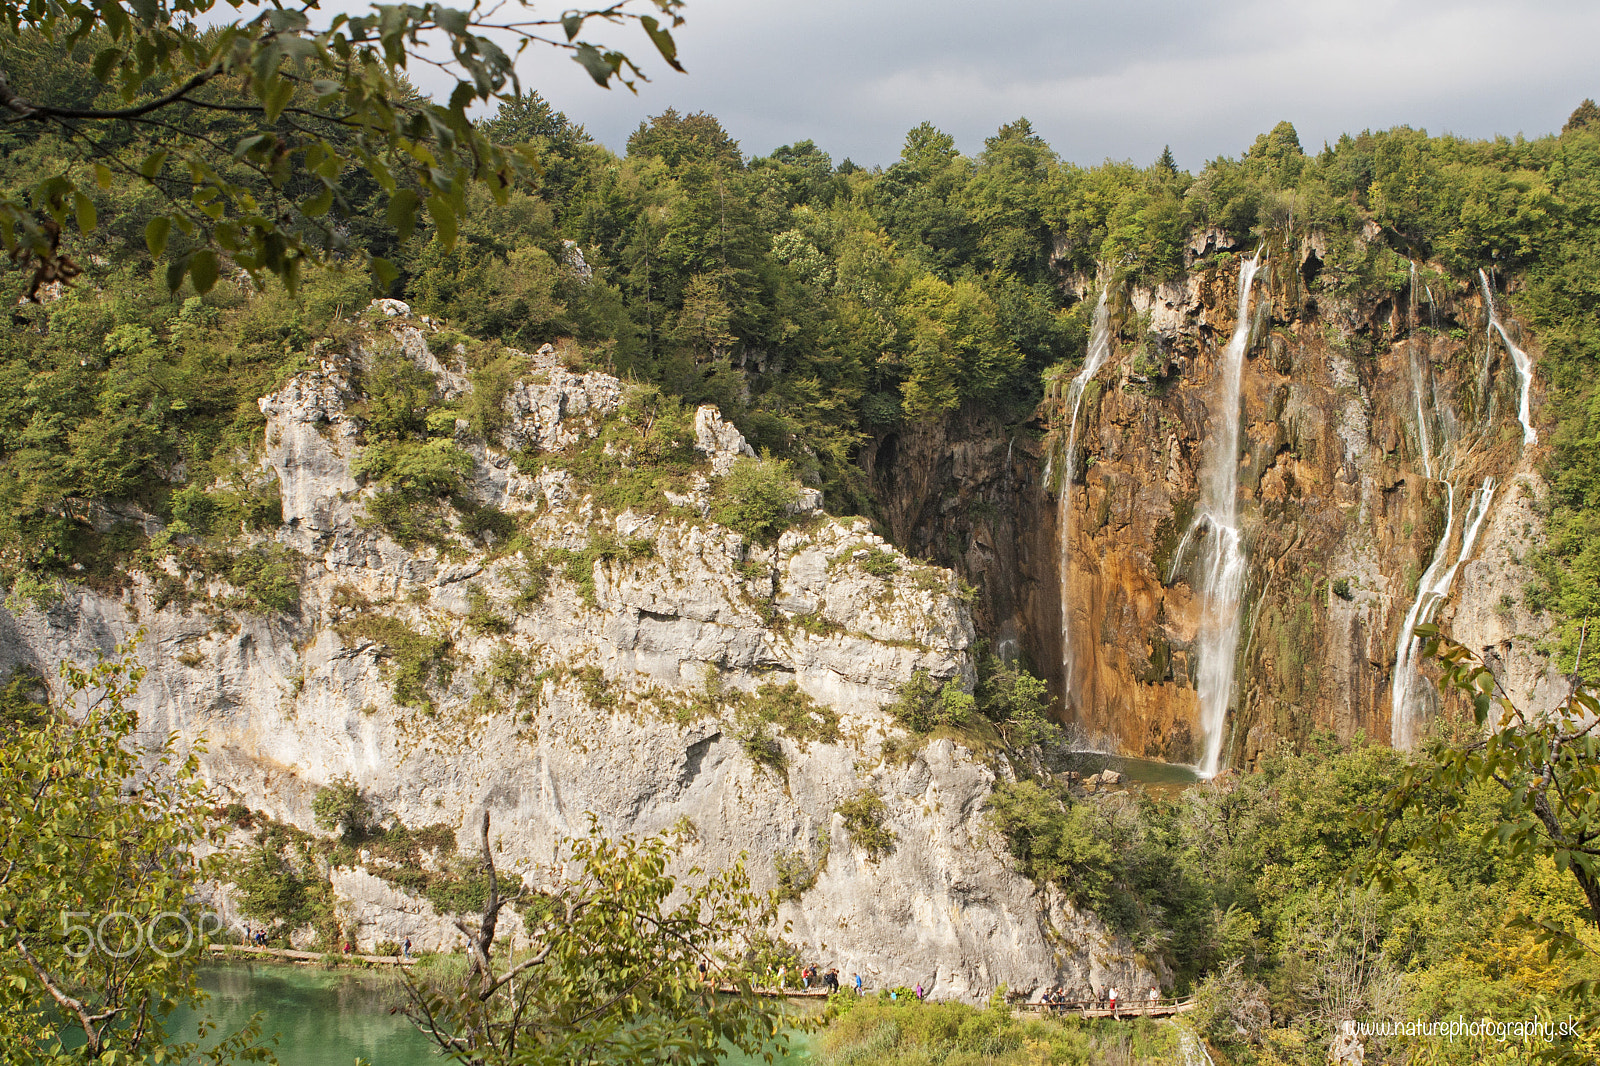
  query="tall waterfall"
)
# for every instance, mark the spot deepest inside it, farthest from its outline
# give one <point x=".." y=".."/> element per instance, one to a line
<point x="1518" y="356"/>
<point x="1222" y="561"/>
<point x="1431" y="593"/>
<point x="1099" y="352"/>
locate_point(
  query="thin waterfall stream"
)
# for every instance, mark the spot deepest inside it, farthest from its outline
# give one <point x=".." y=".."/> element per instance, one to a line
<point x="1519" y="357"/>
<point x="1432" y="591"/>
<point x="1405" y="697"/>
<point x="1099" y="352"/>
<point x="1223" y="568"/>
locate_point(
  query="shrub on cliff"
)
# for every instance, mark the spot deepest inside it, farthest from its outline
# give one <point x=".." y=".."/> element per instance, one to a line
<point x="754" y="498"/>
<point x="864" y="815"/>
<point x="924" y="704"/>
<point x="340" y="805"/>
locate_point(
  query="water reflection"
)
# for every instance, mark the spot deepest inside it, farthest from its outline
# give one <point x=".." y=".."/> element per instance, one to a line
<point x="322" y="1017"/>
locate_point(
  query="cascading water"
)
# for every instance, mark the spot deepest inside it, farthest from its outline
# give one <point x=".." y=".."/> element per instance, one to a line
<point x="1519" y="357"/>
<point x="1222" y="563"/>
<point x="1431" y="593"/>
<point x="1419" y="371"/>
<point x="1099" y="352"/>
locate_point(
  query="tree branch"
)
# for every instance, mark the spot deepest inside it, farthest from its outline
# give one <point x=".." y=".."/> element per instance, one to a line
<point x="42" y="111"/>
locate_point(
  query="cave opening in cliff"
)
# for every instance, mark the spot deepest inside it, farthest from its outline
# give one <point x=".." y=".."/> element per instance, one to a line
<point x="1311" y="269"/>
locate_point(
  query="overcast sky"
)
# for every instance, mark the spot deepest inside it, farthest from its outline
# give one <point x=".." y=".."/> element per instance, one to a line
<point x="1101" y="80"/>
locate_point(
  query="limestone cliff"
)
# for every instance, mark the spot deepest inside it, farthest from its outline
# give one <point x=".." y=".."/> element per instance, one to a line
<point x="465" y="675"/>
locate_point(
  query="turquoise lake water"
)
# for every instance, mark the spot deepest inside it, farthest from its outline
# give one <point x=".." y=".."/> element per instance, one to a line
<point x="332" y="1017"/>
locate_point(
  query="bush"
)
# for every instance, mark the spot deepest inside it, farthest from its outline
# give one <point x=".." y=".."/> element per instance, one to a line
<point x="269" y="576"/>
<point x="792" y="712"/>
<point x="863" y="815"/>
<point x="340" y="805"/>
<point x="754" y="497"/>
<point x="1018" y="703"/>
<point x="880" y="563"/>
<point x="925" y="704"/>
<point x="1055" y="839"/>
<point x="416" y="660"/>
<point x="755" y="736"/>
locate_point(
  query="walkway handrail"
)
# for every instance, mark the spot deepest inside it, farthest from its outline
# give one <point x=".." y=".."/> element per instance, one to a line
<point x="311" y="956"/>
<point x="1097" y="1008"/>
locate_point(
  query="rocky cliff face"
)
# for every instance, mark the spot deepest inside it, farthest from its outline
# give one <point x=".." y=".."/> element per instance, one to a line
<point x="445" y="682"/>
<point x="1356" y="412"/>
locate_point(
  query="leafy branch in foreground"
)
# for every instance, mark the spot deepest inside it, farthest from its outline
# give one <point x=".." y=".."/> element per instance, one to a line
<point x="99" y="937"/>
<point x="1545" y="767"/>
<point x="251" y="134"/>
<point x="612" y="970"/>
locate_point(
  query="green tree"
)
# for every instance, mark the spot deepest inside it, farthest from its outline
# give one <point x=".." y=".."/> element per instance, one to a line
<point x="340" y="805"/>
<point x="251" y="135"/>
<point x="612" y="970"/>
<point x="99" y="939"/>
<point x="1546" y="768"/>
<point x="754" y="498"/>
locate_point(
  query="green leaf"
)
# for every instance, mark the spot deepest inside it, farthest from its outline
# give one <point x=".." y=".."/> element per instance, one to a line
<point x="444" y="220"/>
<point x="152" y="163"/>
<point x="572" y="22"/>
<point x="663" y="42"/>
<point x="203" y="269"/>
<point x="451" y="21"/>
<point x="102" y="176"/>
<point x="383" y="272"/>
<point x="104" y="61"/>
<point x="402" y="212"/>
<point x="175" y="272"/>
<point x="279" y="92"/>
<point x="590" y="59"/>
<point x="247" y="145"/>
<point x="83" y="207"/>
<point x="319" y="204"/>
<point x="1480" y="707"/>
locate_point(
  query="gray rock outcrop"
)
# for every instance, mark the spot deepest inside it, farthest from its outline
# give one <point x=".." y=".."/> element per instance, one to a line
<point x="578" y="700"/>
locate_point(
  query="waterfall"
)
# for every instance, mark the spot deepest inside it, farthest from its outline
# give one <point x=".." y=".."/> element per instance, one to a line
<point x="1420" y="372"/>
<point x="1518" y="356"/>
<point x="1099" y="352"/>
<point x="1431" y="593"/>
<point x="1222" y="561"/>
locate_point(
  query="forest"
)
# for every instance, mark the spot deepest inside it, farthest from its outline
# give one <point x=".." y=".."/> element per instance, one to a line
<point x="822" y="305"/>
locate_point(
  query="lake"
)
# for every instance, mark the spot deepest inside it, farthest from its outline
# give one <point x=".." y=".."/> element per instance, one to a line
<point x="330" y="1017"/>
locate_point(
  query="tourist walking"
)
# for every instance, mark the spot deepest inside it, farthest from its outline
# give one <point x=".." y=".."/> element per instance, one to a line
<point x="1111" y="996"/>
<point x="855" y="979"/>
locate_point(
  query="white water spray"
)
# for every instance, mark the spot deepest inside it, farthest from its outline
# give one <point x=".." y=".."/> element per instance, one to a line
<point x="1518" y="356"/>
<point x="1222" y="562"/>
<point x="1099" y="352"/>
<point x="1431" y="593"/>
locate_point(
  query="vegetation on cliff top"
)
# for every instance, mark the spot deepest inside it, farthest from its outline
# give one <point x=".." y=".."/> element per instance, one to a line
<point x="818" y="304"/>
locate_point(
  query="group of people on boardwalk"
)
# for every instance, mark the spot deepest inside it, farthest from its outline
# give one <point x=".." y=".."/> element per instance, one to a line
<point x="1057" y="999"/>
<point x="813" y="977"/>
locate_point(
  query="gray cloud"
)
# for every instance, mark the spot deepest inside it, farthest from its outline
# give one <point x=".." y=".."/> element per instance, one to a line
<point x="1101" y="80"/>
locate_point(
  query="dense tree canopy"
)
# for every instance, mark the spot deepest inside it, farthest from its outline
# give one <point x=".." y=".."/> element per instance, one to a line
<point x="257" y="138"/>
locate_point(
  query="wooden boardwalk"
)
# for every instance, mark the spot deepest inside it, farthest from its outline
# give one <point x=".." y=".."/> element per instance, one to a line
<point x="309" y="956"/>
<point x="1125" y="1011"/>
